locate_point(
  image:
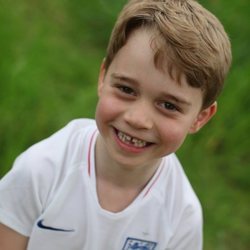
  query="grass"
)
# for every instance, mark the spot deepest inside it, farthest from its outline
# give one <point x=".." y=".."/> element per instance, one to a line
<point x="50" y="57"/>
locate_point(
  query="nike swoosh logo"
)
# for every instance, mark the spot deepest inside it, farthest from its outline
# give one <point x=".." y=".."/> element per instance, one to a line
<point x="41" y="225"/>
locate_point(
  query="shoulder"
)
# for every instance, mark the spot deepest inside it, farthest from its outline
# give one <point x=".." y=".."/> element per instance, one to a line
<point x="175" y="192"/>
<point x="58" y="144"/>
<point x="58" y="150"/>
<point x="38" y="173"/>
<point x="80" y="123"/>
<point x="183" y="206"/>
<point x="43" y="166"/>
<point x="178" y="181"/>
<point x="180" y="190"/>
<point x="60" y="140"/>
<point x="74" y="126"/>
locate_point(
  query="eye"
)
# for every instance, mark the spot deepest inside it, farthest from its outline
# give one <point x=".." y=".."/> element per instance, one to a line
<point x="169" y="106"/>
<point x="126" y="90"/>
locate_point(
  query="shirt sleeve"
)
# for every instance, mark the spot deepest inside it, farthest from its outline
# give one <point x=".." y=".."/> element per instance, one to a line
<point x="20" y="201"/>
<point x="189" y="232"/>
<point x="27" y="190"/>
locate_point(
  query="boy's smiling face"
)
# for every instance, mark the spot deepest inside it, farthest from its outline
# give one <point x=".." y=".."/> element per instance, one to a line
<point x="143" y="114"/>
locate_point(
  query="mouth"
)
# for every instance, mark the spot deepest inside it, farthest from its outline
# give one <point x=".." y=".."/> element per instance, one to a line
<point x="132" y="141"/>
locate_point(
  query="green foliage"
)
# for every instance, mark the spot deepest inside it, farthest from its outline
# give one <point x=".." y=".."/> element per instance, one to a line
<point x="50" y="57"/>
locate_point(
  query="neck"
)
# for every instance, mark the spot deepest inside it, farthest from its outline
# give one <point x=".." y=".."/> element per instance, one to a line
<point x="122" y="175"/>
<point x="118" y="185"/>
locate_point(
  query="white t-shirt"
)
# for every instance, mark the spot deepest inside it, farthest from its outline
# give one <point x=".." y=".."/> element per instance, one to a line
<point x="50" y="196"/>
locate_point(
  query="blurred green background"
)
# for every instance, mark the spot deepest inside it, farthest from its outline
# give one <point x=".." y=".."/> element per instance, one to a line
<point x="50" y="55"/>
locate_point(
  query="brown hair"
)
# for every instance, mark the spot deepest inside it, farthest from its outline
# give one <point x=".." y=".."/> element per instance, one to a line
<point x="186" y="35"/>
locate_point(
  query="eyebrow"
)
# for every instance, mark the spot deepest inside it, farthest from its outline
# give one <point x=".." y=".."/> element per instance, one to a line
<point x="124" y="78"/>
<point x="176" y="99"/>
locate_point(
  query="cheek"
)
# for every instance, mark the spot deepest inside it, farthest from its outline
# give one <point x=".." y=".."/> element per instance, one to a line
<point x="107" y="109"/>
<point x="173" y="135"/>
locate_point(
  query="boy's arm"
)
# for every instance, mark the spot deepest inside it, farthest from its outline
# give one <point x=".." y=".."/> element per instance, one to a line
<point x="11" y="240"/>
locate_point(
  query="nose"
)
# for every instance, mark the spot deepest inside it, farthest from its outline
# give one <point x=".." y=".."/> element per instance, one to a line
<point x="139" y="116"/>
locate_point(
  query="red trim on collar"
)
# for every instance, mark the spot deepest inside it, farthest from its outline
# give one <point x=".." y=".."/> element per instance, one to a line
<point x="152" y="184"/>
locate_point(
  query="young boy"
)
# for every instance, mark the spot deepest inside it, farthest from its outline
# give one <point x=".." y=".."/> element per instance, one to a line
<point x="115" y="183"/>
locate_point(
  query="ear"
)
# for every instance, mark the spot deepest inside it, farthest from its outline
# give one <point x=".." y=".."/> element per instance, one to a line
<point x="203" y="117"/>
<point x="101" y="77"/>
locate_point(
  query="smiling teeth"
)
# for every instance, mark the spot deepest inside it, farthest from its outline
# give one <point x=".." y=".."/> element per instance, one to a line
<point x="130" y="140"/>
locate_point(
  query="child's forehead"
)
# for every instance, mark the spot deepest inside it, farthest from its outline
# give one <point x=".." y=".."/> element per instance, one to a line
<point x="163" y="55"/>
<point x="142" y="55"/>
<point x="165" y="59"/>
